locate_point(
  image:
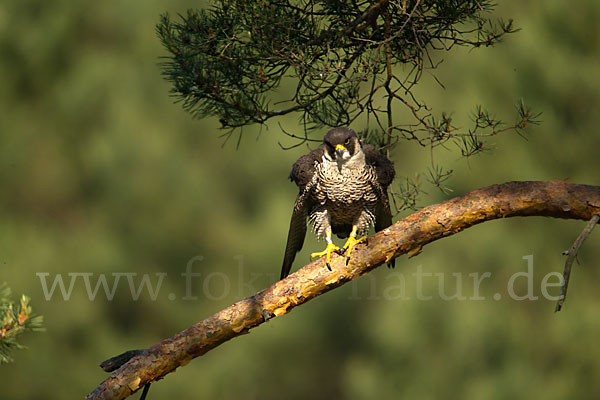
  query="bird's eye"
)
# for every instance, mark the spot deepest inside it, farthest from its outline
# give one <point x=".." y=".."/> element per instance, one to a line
<point x="347" y="141"/>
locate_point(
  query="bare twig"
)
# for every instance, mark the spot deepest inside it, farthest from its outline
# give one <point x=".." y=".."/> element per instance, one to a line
<point x="571" y="256"/>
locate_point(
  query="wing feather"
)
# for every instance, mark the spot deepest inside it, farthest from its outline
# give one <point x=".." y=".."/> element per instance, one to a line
<point x="384" y="169"/>
<point x="303" y="174"/>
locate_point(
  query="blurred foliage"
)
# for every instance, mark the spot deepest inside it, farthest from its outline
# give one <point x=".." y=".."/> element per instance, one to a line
<point x="102" y="174"/>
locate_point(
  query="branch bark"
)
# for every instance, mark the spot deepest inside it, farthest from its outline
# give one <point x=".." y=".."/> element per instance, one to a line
<point x="550" y="199"/>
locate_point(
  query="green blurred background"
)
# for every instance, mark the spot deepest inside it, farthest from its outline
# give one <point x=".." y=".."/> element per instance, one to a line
<point x="101" y="173"/>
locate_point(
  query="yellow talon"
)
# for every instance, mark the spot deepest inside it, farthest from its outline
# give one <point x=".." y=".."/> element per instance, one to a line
<point x="349" y="246"/>
<point x="327" y="252"/>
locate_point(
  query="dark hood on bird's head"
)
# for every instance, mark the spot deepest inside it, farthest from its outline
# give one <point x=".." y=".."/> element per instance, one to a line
<point x="344" y="137"/>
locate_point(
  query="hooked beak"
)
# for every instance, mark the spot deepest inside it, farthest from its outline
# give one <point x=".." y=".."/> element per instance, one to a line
<point x="339" y="156"/>
<point x="339" y="151"/>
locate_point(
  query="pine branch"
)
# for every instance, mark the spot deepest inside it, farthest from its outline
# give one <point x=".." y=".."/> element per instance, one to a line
<point x="228" y="60"/>
<point x="15" y="319"/>
<point x="556" y="199"/>
<point x="332" y="64"/>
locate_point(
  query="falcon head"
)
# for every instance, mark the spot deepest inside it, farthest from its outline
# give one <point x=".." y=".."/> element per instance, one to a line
<point x="341" y="146"/>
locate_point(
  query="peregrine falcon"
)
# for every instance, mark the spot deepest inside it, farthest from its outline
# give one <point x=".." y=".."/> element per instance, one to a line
<point x="343" y="190"/>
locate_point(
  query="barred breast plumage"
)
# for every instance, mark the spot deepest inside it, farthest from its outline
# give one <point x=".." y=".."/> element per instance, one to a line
<point x="347" y="195"/>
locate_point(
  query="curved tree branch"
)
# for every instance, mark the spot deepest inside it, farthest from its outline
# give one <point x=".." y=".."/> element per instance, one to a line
<point x="551" y="199"/>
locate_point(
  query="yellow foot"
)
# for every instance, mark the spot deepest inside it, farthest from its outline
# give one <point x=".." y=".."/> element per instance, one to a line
<point x="349" y="246"/>
<point x="327" y="252"/>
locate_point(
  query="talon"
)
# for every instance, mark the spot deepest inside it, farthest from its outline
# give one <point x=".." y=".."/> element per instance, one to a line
<point x="349" y="246"/>
<point x="327" y="253"/>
